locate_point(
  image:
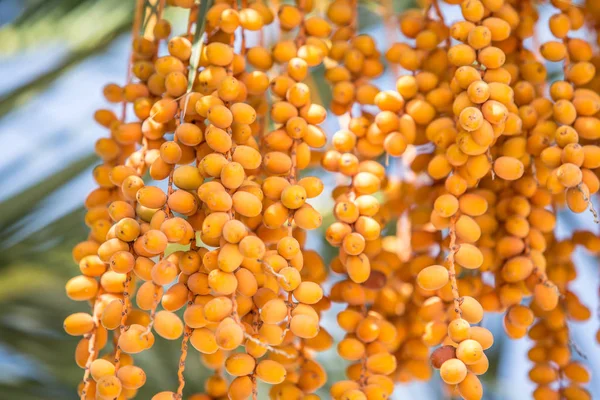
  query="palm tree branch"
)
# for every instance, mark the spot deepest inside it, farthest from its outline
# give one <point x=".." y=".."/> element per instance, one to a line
<point x="20" y="95"/>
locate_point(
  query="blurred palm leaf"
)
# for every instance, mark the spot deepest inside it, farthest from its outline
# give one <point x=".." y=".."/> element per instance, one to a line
<point x="15" y="208"/>
<point x="82" y="27"/>
<point x="72" y="23"/>
<point x="22" y="93"/>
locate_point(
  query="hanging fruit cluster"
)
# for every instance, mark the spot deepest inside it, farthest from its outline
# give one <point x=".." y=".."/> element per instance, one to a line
<point x="445" y="210"/>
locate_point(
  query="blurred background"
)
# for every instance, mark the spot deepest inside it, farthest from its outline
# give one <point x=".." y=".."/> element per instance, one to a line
<point x="55" y="57"/>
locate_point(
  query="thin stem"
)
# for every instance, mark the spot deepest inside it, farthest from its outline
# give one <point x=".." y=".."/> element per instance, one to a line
<point x="169" y="193"/>
<point x="567" y="60"/>
<point x="290" y="307"/>
<point x="155" y="301"/>
<point x="294" y="168"/>
<point x="301" y="37"/>
<point x="254" y="385"/>
<point x="92" y="351"/>
<point x="588" y="200"/>
<point x="243" y="45"/>
<point x="354" y="22"/>
<point x="184" y="350"/>
<point x="451" y="269"/>
<point x="390" y="24"/>
<point x="268" y="347"/>
<point x="122" y="324"/>
<point x="491" y="161"/>
<point x="440" y="15"/>
<point x="135" y="33"/>
<point x="191" y="19"/>
<point x="270" y="269"/>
